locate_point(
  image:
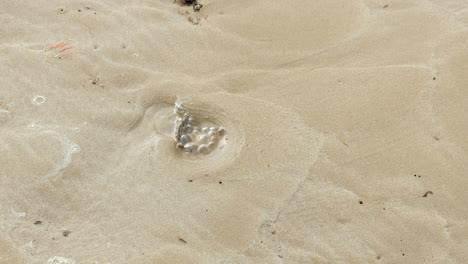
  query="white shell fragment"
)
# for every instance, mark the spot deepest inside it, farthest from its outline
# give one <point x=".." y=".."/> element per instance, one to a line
<point x="38" y="100"/>
<point x="60" y="260"/>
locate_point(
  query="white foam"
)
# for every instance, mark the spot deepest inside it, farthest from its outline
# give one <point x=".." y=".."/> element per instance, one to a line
<point x="38" y="100"/>
<point x="69" y="149"/>
<point x="203" y="138"/>
<point x="74" y="148"/>
<point x="60" y="260"/>
<point x="34" y="126"/>
<point x="30" y="244"/>
<point x="17" y="214"/>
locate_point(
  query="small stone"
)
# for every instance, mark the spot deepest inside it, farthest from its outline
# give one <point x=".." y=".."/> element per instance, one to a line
<point x="184" y="139"/>
<point x="196" y="130"/>
<point x="215" y="129"/>
<point x="203" y="149"/>
<point x="190" y="147"/>
<point x="211" y="145"/>
<point x="205" y="129"/>
<point x="211" y="133"/>
<point x="66" y="233"/>
<point x="197" y="7"/>
<point x="221" y="131"/>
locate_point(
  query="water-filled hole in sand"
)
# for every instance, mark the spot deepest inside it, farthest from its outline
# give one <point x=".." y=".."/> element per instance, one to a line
<point x="202" y="138"/>
<point x="195" y="136"/>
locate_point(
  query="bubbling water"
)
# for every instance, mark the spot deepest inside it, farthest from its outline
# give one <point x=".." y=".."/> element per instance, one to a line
<point x="194" y="136"/>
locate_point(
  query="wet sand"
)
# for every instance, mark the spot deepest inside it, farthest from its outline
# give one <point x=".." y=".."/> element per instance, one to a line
<point x="344" y="132"/>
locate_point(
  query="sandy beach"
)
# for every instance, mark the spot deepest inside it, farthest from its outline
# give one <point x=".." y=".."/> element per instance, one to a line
<point x="248" y="132"/>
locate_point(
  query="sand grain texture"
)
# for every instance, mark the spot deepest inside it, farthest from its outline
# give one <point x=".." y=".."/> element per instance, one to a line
<point x="345" y="132"/>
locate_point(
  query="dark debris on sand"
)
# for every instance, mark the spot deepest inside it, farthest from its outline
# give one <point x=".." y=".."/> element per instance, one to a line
<point x="196" y="6"/>
<point x="66" y="233"/>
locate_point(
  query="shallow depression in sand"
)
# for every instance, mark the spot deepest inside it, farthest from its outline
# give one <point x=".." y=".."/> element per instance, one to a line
<point x="207" y="135"/>
<point x="247" y="138"/>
